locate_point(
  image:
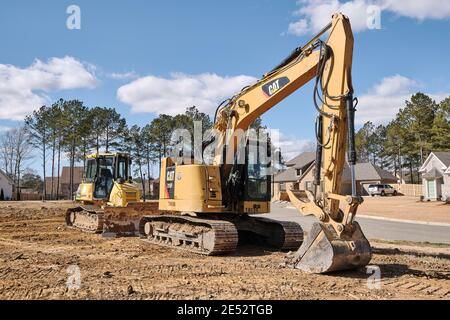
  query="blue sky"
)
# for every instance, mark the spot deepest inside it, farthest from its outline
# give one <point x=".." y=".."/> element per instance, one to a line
<point x="153" y="48"/>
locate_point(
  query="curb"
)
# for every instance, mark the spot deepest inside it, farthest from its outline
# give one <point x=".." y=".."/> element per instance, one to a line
<point x="438" y="224"/>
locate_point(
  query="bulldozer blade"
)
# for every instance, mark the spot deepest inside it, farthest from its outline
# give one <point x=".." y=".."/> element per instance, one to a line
<point x="323" y="251"/>
<point x="124" y="221"/>
<point x="116" y="227"/>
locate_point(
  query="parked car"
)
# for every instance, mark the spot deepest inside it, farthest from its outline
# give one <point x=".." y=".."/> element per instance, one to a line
<point x="381" y="189"/>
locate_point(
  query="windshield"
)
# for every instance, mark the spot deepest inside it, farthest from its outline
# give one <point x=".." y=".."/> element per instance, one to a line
<point x="106" y="167"/>
<point x="105" y="177"/>
<point x="258" y="181"/>
<point x="258" y="178"/>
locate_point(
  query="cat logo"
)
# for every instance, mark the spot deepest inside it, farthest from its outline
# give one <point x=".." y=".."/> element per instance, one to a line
<point x="274" y="86"/>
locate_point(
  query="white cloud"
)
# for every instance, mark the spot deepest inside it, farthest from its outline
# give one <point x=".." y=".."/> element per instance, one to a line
<point x="291" y="146"/>
<point x="419" y="9"/>
<point x="299" y="27"/>
<point x="313" y="15"/>
<point x="123" y="76"/>
<point x="381" y="103"/>
<point x="173" y="95"/>
<point x="23" y="90"/>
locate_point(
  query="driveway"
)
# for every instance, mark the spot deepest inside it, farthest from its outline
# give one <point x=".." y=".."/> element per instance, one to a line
<point x="373" y="228"/>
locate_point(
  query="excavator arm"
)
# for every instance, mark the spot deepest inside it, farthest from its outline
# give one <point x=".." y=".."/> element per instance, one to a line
<point x="336" y="242"/>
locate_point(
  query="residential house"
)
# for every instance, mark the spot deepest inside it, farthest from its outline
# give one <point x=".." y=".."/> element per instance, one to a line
<point x="64" y="183"/>
<point x="299" y="176"/>
<point x="6" y="186"/>
<point x="366" y="174"/>
<point x="436" y="177"/>
<point x="151" y="189"/>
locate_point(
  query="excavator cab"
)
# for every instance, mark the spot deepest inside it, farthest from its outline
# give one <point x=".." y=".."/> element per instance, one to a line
<point x="248" y="188"/>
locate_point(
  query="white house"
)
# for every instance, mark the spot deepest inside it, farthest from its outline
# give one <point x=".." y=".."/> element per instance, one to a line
<point x="436" y="177"/>
<point x="7" y="185"/>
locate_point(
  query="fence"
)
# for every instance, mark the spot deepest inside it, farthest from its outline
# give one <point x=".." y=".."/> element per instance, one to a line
<point x="25" y="196"/>
<point x="412" y="190"/>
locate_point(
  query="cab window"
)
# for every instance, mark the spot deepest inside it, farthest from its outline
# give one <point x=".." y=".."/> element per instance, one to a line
<point x="258" y="179"/>
<point x="104" y="181"/>
<point x="122" y="168"/>
<point x="91" y="170"/>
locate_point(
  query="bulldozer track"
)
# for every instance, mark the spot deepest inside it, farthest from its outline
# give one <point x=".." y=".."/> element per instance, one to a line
<point x="85" y="218"/>
<point x="207" y="237"/>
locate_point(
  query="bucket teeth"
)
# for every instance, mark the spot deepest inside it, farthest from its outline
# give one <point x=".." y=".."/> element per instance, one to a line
<point x="323" y="251"/>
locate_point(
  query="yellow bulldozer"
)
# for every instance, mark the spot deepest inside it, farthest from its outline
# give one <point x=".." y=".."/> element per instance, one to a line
<point x="109" y="201"/>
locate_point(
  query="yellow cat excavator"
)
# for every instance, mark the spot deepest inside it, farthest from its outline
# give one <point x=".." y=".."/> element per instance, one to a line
<point x="218" y="203"/>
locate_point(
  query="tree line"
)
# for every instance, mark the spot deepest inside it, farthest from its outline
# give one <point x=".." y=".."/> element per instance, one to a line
<point x="15" y="150"/>
<point x="401" y="146"/>
<point x="70" y="130"/>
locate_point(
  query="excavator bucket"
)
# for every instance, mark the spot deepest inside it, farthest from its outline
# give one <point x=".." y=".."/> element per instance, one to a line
<point x="323" y="251"/>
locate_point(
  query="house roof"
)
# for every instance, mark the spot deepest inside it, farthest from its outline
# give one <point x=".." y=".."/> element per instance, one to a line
<point x="368" y="171"/>
<point x="302" y="160"/>
<point x="364" y="172"/>
<point x="432" y="174"/>
<point x="443" y="157"/>
<point x="289" y="175"/>
<point x="6" y="177"/>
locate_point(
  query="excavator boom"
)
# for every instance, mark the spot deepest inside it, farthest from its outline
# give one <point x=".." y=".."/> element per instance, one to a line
<point x="336" y="242"/>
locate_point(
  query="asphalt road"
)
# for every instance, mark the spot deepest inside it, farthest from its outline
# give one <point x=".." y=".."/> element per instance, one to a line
<point x="373" y="228"/>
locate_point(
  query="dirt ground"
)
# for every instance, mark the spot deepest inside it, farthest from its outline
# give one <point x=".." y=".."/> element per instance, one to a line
<point x="405" y="208"/>
<point x="38" y="255"/>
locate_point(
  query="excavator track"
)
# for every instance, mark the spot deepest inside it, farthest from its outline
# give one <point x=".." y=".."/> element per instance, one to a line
<point x="207" y="237"/>
<point x="282" y="235"/>
<point x="85" y="218"/>
<point x="219" y="234"/>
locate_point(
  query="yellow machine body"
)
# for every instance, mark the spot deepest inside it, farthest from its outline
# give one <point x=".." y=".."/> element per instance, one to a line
<point x="109" y="201"/>
<point x="121" y="194"/>
<point x="197" y="188"/>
